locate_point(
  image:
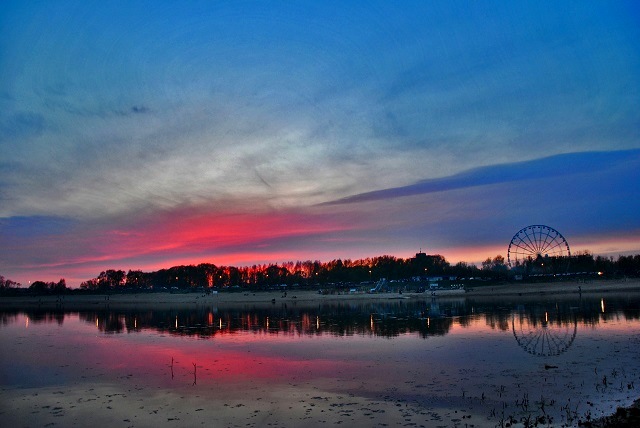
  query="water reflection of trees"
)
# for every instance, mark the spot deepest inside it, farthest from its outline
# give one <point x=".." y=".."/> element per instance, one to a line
<point x="380" y="318"/>
<point x="589" y="312"/>
<point x="35" y="316"/>
<point x="376" y="319"/>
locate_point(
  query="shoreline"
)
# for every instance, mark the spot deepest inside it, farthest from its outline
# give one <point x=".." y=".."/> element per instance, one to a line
<point x="553" y="288"/>
<point x="193" y="299"/>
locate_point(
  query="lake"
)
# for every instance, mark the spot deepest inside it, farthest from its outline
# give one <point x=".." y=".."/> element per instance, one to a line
<point x="401" y="362"/>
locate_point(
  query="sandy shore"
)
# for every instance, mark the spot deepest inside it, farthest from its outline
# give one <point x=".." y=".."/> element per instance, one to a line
<point x="160" y="300"/>
<point x="568" y="287"/>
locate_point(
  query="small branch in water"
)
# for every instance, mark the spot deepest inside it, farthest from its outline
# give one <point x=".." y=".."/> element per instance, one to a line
<point x="194" y="373"/>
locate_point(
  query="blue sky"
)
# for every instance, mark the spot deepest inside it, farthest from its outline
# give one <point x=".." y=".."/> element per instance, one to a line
<point x="311" y="130"/>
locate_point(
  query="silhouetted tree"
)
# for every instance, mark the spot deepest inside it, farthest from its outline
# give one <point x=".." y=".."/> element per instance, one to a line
<point x="496" y="267"/>
<point x="137" y="279"/>
<point x="111" y="278"/>
<point x="6" y="283"/>
<point x="49" y="287"/>
<point x="60" y="286"/>
<point x="91" y="284"/>
<point x="39" y="286"/>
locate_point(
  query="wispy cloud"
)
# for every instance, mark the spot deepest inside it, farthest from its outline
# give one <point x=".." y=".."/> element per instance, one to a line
<point x="550" y="167"/>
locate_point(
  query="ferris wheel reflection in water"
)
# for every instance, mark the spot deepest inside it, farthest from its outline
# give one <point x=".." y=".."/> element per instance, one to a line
<point x="544" y="333"/>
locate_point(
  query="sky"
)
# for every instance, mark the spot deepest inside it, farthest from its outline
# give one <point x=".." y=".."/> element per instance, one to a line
<point x="148" y="134"/>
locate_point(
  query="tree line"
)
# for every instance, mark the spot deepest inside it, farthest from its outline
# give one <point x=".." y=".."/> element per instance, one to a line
<point x="338" y="271"/>
<point x="343" y="272"/>
<point x="261" y="276"/>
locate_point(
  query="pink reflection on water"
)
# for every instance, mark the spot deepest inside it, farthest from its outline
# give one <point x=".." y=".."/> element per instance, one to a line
<point x="477" y="357"/>
<point x="82" y="353"/>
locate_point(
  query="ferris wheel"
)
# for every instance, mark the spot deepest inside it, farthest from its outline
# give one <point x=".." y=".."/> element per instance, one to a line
<point x="536" y="243"/>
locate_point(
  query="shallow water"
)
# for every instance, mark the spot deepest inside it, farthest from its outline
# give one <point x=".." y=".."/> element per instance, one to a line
<point x="440" y="362"/>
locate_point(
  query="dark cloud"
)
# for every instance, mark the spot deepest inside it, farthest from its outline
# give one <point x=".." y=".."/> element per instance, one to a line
<point x="133" y="110"/>
<point x="549" y="167"/>
<point x="139" y="109"/>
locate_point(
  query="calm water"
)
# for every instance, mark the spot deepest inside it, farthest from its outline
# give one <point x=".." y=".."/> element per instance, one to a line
<point x="417" y="363"/>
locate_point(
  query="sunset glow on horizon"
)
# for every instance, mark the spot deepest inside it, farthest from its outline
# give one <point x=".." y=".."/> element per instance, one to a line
<point x="155" y="134"/>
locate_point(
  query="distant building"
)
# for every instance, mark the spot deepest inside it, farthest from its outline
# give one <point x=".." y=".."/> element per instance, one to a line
<point x="428" y="260"/>
<point x="420" y="256"/>
<point x="426" y="265"/>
